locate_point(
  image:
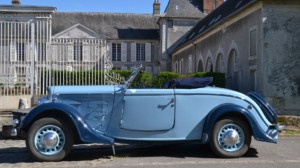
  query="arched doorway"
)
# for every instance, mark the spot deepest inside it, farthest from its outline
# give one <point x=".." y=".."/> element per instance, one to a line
<point x="209" y="65"/>
<point x="176" y="67"/>
<point x="200" y="66"/>
<point x="220" y="63"/>
<point x="232" y="72"/>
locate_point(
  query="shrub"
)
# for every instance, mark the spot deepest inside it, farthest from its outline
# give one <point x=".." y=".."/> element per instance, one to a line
<point x="144" y="80"/>
<point x="164" y="77"/>
<point x="123" y="73"/>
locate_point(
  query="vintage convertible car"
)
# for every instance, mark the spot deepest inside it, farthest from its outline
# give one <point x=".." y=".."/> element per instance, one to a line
<point x="70" y="115"/>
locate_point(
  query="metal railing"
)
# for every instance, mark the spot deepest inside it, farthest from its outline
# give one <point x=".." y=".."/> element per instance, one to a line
<point x="30" y="60"/>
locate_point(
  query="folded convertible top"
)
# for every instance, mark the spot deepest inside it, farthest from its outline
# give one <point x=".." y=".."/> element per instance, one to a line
<point x="189" y="83"/>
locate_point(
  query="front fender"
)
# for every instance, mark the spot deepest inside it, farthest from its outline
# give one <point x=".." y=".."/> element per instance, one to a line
<point x="85" y="132"/>
<point x="234" y="110"/>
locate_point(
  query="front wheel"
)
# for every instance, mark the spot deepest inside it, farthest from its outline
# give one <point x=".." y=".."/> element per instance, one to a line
<point x="231" y="138"/>
<point x="49" y="140"/>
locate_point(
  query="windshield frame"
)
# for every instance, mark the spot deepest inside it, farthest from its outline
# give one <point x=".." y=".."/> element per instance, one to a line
<point x="132" y="76"/>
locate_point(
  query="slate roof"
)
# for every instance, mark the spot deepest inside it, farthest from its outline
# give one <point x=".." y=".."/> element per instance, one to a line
<point x="184" y="8"/>
<point x="227" y="9"/>
<point x="26" y="8"/>
<point x="111" y="25"/>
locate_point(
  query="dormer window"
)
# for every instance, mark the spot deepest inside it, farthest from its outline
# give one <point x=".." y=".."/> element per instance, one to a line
<point x="170" y="24"/>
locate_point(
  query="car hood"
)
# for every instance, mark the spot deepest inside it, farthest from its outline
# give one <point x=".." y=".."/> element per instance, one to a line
<point x="105" y="89"/>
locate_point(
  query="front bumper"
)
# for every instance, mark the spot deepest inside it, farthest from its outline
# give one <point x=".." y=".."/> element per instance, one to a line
<point x="13" y="131"/>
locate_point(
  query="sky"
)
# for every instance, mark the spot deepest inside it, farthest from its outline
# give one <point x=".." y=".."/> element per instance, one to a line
<point x="115" y="6"/>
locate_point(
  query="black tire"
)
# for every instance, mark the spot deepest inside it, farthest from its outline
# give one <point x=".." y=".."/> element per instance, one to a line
<point x="230" y="138"/>
<point x="54" y="129"/>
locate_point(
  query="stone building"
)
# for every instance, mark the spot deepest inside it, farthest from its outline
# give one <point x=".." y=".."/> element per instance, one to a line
<point x="255" y="43"/>
<point x="179" y="17"/>
<point x="132" y="38"/>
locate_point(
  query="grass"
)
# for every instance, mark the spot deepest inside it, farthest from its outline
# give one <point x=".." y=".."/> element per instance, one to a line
<point x="291" y="132"/>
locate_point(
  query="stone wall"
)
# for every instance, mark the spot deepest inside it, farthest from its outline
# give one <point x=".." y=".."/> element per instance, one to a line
<point x="281" y="49"/>
<point x="12" y="102"/>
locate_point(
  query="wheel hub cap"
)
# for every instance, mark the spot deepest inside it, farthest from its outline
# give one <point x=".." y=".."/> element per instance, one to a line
<point x="50" y="139"/>
<point x="231" y="137"/>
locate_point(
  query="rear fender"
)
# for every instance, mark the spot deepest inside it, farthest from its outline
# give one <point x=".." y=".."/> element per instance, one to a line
<point x="234" y="110"/>
<point x="85" y="132"/>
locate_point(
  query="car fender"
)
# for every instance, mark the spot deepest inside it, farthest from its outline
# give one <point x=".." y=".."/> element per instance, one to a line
<point x="85" y="132"/>
<point x="233" y="109"/>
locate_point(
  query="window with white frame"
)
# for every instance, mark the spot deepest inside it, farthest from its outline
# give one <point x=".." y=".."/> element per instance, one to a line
<point x="140" y="52"/>
<point x="253" y="42"/>
<point x="116" y="52"/>
<point x="77" y="52"/>
<point x="20" y="51"/>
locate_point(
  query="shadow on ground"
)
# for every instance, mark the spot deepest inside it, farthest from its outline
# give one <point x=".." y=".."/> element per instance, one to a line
<point x="96" y="152"/>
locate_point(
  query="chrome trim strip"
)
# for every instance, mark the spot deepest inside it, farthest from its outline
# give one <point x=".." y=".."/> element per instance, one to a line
<point x="135" y="94"/>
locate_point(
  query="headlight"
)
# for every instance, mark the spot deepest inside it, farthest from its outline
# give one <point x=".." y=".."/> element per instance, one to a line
<point x="42" y="100"/>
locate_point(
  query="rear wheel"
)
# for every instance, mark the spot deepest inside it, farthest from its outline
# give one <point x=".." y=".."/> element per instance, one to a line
<point x="49" y="140"/>
<point x="231" y="138"/>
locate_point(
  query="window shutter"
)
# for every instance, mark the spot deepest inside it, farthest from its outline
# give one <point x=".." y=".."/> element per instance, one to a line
<point x="13" y="51"/>
<point x="148" y="52"/>
<point x="70" y="51"/>
<point x="27" y="52"/>
<point x="123" y="52"/>
<point x="133" y="52"/>
<point x="109" y="51"/>
<point x="54" y="55"/>
<point x="86" y="52"/>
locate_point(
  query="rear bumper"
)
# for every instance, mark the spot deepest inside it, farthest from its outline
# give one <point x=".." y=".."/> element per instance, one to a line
<point x="280" y="128"/>
<point x="272" y="134"/>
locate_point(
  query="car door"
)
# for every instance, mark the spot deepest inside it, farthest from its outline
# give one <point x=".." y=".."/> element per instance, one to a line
<point x="148" y="110"/>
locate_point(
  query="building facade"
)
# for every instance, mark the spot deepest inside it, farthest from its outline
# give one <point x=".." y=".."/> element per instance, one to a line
<point x="255" y="43"/>
<point x="132" y="39"/>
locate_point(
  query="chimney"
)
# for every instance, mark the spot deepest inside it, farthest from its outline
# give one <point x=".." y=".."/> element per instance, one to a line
<point x="156" y="7"/>
<point x="210" y="5"/>
<point x="15" y="3"/>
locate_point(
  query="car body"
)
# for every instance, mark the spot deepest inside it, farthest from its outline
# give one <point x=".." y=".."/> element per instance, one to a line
<point x="107" y="114"/>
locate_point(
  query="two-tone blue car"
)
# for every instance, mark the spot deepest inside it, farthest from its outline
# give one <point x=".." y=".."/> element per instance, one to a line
<point x="70" y="115"/>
